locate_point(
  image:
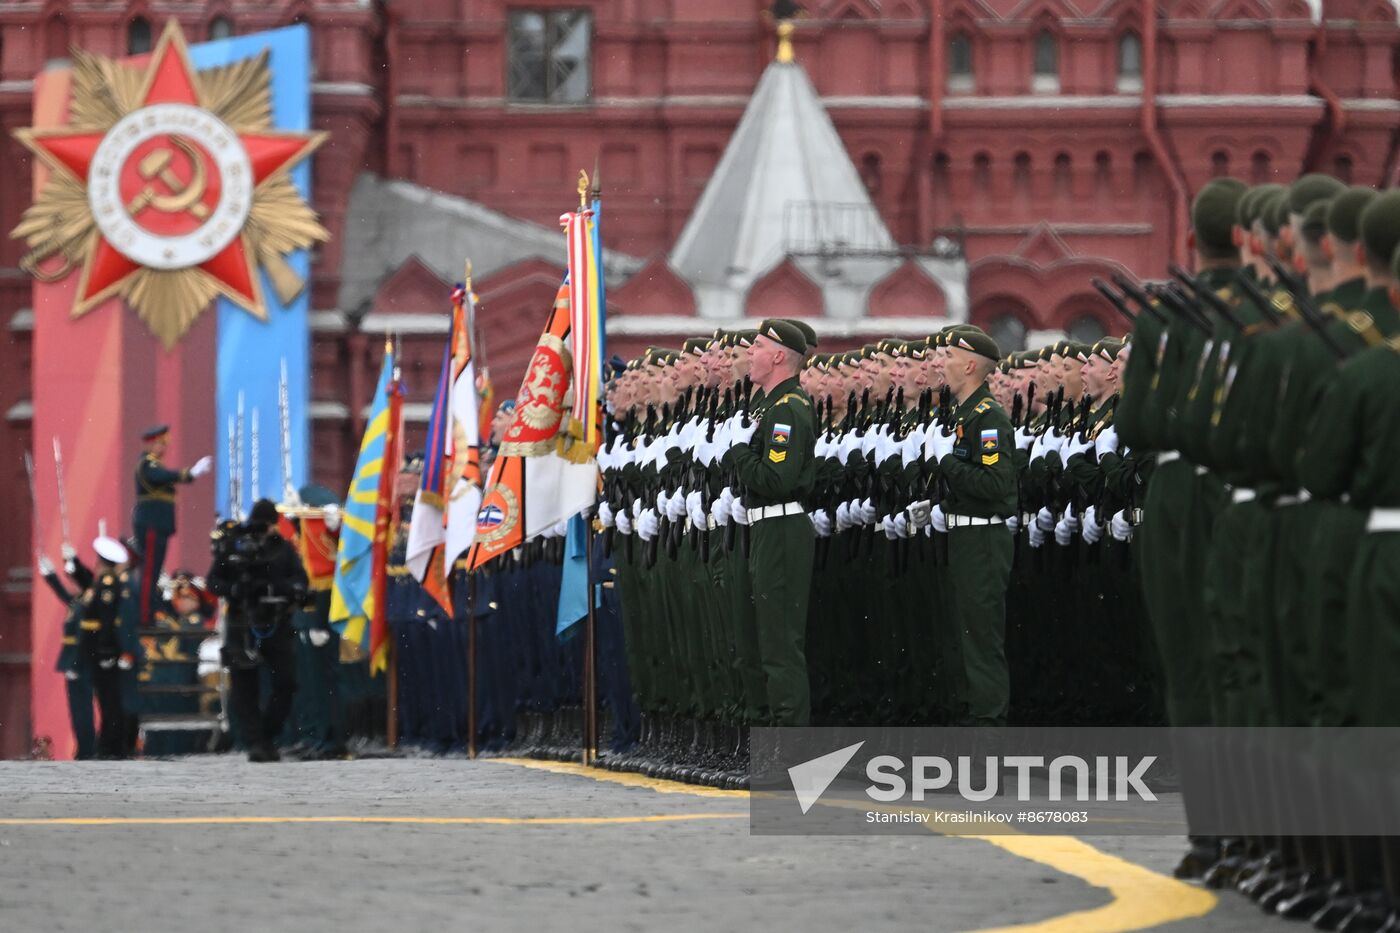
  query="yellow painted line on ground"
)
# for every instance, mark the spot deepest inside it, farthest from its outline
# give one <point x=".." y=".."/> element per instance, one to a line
<point x="1140" y="898"/>
<point x="625" y="778"/>
<point x="409" y="820"/>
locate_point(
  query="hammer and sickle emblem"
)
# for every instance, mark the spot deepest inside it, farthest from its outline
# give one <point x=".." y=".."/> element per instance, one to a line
<point x="183" y="197"/>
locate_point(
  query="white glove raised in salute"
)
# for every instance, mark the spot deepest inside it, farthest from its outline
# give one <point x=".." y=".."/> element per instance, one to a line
<point x="201" y="466"/>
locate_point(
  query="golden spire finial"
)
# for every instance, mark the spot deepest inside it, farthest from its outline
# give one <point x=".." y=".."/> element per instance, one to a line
<point x="785" y="55"/>
<point x="467" y="282"/>
<point x="582" y="189"/>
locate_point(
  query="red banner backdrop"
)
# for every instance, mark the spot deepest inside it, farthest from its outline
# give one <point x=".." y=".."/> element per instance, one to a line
<point x="97" y="382"/>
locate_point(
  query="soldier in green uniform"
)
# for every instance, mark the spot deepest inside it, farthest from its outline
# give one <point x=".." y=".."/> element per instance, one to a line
<point x="974" y="461"/>
<point x="153" y="518"/>
<point x="773" y="459"/>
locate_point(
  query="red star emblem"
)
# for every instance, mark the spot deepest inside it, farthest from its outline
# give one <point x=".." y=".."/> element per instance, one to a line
<point x="178" y="180"/>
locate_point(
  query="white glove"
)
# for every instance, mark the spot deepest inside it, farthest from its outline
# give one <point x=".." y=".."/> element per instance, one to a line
<point x="560" y="529"/>
<point x="69" y="552"/>
<point x="319" y="637"/>
<point x="605" y="514"/>
<point x="739" y="512"/>
<point x="45" y="566"/>
<point x="1070" y="519"/>
<point x="1023" y="438"/>
<point x="1037" y="534"/>
<point x="1093" y="528"/>
<point x="1013" y="524"/>
<point x="695" y="508"/>
<point x="719" y="509"/>
<point x="662" y="501"/>
<point x="676" y="507"/>
<point x="1045" y="520"/>
<point x="331" y="514"/>
<point x="911" y="448"/>
<point x="1120" y="527"/>
<point x="1076" y="446"/>
<point x="887" y="526"/>
<point x="867" y="512"/>
<point x="742" y="434"/>
<point x="884" y="449"/>
<point x="843" y="516"/>
<point x="1053" y="442"/>
<point x="901" y="526"/>
<point x="938" y="519"/>
<point x="1106" y="442"/>
<point x="938" y="445"/>
<point x="71" y="675"/>
<point x="822" y="523"/>
<point x="648" y="524"/>
<point x="624" y="523"/>
<point x="201" y="466"/>
<point x="124" y="663"/>
<point x="1063" y="533"/>
<point x="921" y="513"/>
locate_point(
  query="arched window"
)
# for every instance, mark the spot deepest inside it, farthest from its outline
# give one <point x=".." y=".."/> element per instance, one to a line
<point x="1103" y="171"/>
<point x="1086" y="329"/>
<point x="960" y="62"/>
<point x="942" y="170"/>
<point x="1063" y="180"/>
<point x="1129" y="62"/>
<point x="138" y="36"/>
<point x="1342" y="168"/>
<point x="870" y="172"/>
<point x="1260" y="168"/>
<point x="1045" y="76"/>
<point x="221" y="27"/>
<point x="1021" y="174"/>
<point x="1009" y="331"/>
<point x="1220" y="164"/>
<point x="981" y="171"/>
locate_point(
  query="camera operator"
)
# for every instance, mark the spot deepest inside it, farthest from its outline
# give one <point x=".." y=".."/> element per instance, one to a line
<point x="260" y="576"/>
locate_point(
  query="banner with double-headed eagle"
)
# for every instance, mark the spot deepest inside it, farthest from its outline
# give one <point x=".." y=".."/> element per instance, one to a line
<point x="544" y="472"/>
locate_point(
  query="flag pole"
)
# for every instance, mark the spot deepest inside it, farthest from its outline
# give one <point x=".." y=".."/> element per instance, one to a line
<point x="392" y="462"/>
<point x="471" y="664"/>
<point x="590" y="660"/>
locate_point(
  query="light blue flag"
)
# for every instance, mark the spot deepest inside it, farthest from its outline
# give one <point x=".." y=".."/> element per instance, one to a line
<point x="573" y="588"/>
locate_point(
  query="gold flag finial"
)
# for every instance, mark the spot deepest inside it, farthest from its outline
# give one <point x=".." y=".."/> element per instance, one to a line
<point x="582" y="189"/>
<point x="467" y="282"/>
<point x="785" y="54"/>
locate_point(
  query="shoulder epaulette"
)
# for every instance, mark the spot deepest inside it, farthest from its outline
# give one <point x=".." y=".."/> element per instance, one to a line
<point x="793" y="396"/>
<point x="982" y="406"/>
<point x="1364" y="326"/>
<point x="1332" y="309"/>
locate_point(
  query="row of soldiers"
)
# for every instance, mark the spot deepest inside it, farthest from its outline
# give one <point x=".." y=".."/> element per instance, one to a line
<point x="1200" y="519"/>
<point x="1265" y="387"/>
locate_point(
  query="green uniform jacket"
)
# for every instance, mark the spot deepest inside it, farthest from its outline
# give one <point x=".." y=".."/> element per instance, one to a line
<point x="778" y="465"/>
<point x="980" y="473"/>
<point x="1353" y="442"/>
<point x="155" y="495"/>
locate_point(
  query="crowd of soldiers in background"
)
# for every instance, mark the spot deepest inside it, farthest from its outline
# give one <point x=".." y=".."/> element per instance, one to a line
<point x="1204" y="529"/>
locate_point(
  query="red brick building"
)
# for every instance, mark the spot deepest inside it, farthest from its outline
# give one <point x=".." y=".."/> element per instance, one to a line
<point x="1053" y="139"/>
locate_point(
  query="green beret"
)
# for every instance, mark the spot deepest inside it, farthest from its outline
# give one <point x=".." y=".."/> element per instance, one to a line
<point x="1273" y="212"/>
<point x="1247" y="211"/>
<point x="1310" y="188"/>
<point x="1315" y="220"/>
<point x="1108" y="348"/>
<point x="976" y="341"/>
<point x="744" y="338"/>
<point x="1380" y="225"/>
<point x="1344" y="213"/>
<point x="785" y="333"/>
<point x="695" y="345"/>
<point x="1079" y="351"/>
<point x="1213" y="216"/>
<point x="808" y="334"/>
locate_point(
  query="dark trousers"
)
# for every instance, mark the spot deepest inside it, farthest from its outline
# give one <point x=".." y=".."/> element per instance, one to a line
<point x="780" y="564"/>
<point x="153" y="544"/>
<point x="259" y="727"/>
<point x="107" y="684"/>
<point x="979" y="570"/>
<point x="80" y="713"/>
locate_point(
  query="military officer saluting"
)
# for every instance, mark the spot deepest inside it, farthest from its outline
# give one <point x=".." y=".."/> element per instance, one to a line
<point x="153" y="518"/>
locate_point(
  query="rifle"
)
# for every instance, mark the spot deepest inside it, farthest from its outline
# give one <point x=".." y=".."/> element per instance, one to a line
<point x="1175" y="297"/>
<point x="1144" y="300"/>
<point x="1207" y="296"/>
<point x="1122" y="306"/>
<point x="1307" y="308"/>
<point x="62" y="497"/>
